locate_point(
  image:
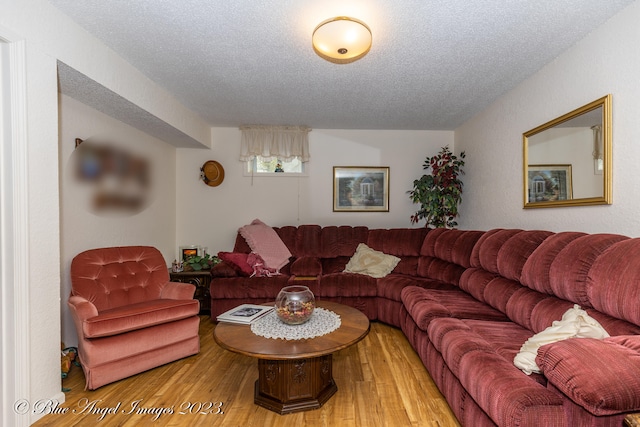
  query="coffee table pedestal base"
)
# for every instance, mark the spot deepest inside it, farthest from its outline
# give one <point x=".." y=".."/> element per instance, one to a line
<point x="286" y="386"/>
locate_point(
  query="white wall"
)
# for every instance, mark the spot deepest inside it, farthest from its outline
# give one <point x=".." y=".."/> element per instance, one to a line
<point x="50" y="36"/>
<point x="211" y="216"/>
<point x="606" y="61"/>
<point x="83" y="228"/>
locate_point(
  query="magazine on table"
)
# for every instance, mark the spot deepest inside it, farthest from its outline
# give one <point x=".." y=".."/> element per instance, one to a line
<point x="244" y="314"/>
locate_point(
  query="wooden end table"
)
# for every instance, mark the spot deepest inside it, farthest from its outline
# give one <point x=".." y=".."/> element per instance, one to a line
<point x="295" y="375"/>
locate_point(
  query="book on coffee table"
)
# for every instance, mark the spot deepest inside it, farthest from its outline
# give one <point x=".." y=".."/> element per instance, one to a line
<point x="245" y="314"/>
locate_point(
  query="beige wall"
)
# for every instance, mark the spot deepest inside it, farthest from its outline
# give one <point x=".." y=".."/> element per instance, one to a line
<point x="82" y="227"/>
<point x="211" y="216"/>
<point x="606" y="61"/>
<point x="48" y="37"/>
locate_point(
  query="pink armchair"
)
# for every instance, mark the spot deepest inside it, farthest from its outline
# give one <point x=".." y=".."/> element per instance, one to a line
<point x="128" y="315"/>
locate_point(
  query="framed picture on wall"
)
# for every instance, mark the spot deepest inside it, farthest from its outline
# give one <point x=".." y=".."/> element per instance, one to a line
<point x="549" y="183"/>
<point x="360" y="189"/>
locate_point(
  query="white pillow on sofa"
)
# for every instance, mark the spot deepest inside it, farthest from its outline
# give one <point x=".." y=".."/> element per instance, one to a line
<point x="371" y="262"/>
<point x="575" y="323"/>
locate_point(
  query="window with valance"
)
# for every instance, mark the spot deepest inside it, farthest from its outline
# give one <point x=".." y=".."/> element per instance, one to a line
<point x="275" y="148"/>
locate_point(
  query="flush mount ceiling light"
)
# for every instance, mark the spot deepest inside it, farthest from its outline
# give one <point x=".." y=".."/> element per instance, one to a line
<point x="341" y="40"/>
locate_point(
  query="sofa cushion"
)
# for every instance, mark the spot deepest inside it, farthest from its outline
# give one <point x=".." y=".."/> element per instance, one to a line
<point x="454" y="246"/>
<point x="536" y="271"/>
<point x="138" y="316"/>
<point x="602" y="376"/>
<point x="391" y="286"/>
<point x="575" y="323"/>
<point x="238" y="261"/>
<point x="247" y="288"/>
<point x="438" y="269"/>
<point x="223" y="269"/>
<point x="473" y="351"/>
<point x="347" y="285"/>
<point x="485" y="251"/>
<point x="516" y="250"/>
<point x="339" y="241"/>
<point x="612" y="283"/>
<point x="424" y="305"/>
<point x="306" y="266"/>
<point x="400" y="242"/>
<point x="334" y="265"/>
<point x="571" y="268"/>
<point x="371" y="262"/>
<point x="308" y="241"/>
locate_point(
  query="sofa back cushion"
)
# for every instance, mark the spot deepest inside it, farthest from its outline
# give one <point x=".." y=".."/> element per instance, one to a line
<point x="535" y="276"/>
<point x="397" y="241"/>
<point x="536" y="273"/>
<point x="308" y="241"/>
<point x="613" y="283"/>
<point x="515" y="252"/>
<point x="485" y="251"/>
<point x="572" y="266"/>
<point x="341" y="241"/>
<point x="404" y="243"/>
<point x="334" y="265"/>
<point x="119" y="276"/>
<point x="454" y="246"/>
<point x="505" y="251"/>
<point x="445" y="254"/>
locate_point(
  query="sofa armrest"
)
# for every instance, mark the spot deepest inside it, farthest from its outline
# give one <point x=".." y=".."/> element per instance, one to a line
<point x="306" y="266"/>
<point x="81" y="308"/>
<point x="175" y="290"/>
<point x="602" y="376"/>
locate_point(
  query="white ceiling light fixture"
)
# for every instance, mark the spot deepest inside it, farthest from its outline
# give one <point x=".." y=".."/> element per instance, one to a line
<point x="341" y="40"/>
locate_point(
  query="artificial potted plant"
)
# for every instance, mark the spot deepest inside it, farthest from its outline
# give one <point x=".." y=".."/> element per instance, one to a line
<point x="440" y="191"/>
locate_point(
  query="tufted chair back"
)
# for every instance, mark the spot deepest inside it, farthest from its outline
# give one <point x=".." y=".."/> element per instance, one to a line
<point x="118" y="276"/>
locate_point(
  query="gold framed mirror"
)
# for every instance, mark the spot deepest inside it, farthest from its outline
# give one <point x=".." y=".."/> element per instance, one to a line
<point x="567" y="161"/>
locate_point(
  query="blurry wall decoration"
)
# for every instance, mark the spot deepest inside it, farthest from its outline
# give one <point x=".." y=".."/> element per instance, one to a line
<point x="108" y="178"/>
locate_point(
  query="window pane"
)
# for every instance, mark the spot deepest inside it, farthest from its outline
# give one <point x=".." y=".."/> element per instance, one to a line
<point x="277" y="165"/>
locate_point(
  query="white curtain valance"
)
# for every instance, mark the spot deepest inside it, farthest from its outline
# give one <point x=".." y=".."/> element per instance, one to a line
<point x="283" y="142"/>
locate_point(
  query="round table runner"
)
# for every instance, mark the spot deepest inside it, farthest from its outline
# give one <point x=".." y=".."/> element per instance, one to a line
<point x="322" y="322"/>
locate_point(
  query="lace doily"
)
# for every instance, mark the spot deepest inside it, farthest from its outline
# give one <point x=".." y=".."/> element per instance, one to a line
<point x="322" y="322"/>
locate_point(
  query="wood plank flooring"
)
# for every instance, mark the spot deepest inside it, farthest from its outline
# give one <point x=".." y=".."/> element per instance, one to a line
<point x="381" y="382"/>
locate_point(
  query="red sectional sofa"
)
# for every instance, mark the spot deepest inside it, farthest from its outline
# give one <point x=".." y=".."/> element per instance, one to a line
<point x="468" y="300"/>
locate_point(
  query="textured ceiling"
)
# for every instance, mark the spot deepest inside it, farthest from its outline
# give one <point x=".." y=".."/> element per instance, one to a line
<point x="433" y="63"/>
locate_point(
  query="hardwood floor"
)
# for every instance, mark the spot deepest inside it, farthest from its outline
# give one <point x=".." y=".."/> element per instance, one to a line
<point x="381" y="382"/>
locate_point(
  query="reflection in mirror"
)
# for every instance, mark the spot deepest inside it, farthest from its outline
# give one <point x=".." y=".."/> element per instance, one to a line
<point x="567" y="161"/>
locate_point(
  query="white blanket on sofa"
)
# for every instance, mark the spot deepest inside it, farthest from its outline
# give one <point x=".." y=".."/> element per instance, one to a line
<point x="575" y="323"/>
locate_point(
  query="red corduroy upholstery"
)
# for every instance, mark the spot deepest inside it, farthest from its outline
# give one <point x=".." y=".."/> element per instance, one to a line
<point x="128" y="316"/>
<point x="467" y="300"/>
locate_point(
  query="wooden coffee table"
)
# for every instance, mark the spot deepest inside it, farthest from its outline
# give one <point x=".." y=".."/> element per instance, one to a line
<point x="295" y="375"/>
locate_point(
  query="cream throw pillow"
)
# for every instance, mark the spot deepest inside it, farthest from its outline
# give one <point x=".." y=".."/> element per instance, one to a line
<point x="371" y="262"/>
<point x="575" y="323"/>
